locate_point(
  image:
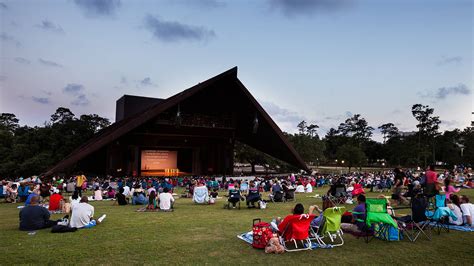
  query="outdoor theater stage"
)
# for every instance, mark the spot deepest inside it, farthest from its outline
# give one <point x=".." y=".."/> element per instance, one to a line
<point x="192" y="132"/>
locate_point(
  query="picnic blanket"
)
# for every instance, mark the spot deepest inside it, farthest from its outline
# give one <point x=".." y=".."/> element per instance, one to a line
<point x="144" y="209"/>
<point x="458" y="227"/>
<point x="248" y="238"/>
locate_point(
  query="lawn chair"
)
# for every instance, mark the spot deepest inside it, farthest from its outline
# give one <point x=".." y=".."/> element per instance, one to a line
<point x="327" y="233"/>
<point x="376" y="213"/>
<point x="412" y="226"/>
<point x="295" y="236"/>
<point x="440" y="215"/>
<point x="339" y="194"/>
<point x="289" y="195"/>
<point x="277" y="196"/>
<point x="201" y="195"/>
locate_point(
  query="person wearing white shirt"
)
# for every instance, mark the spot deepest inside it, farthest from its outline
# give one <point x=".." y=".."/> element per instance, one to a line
<point x="309" y="188"/>
<point x="299" y="188"/>
<point x="166" y="200"/>
<point x="467" y="209"/>
<point x="454" y="206"/>
<point x="126" y="191"/>
<point x="82" y="215"/>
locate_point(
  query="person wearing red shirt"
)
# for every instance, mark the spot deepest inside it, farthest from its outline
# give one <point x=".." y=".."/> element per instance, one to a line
<point x="300" y="223"/>
<point x="54" y="201"/>
<point x="431" y="179"/>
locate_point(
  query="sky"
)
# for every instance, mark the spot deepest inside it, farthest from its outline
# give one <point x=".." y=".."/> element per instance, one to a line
<point x="315" y="60"/>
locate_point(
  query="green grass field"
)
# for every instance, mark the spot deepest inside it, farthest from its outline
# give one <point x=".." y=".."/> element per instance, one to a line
<point x="197" y="234"/>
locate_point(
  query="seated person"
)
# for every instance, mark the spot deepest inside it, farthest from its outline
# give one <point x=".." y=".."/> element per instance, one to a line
<point x="28" y="200"/>
<point x="121" y="198"/>
<point x="467" y="209"/>
<point x="139" y="198"/>
<point x="253" y="195"/>
<point x="455" y="207"/>
<point x="297" y="211"/>
<point x="309" y="188"/>
<point x="214" y="193"/>
<point x="299" y="188"/>
<point x="97" y="193"/>
<point x="35" y="217"/>
<point x="110" y="193"/>
<point x="23" y="191"/>
<point x="83" y="214"/>
<point x="234" y="195"/>
<point x="166" y="200"/>
<point x="152" y="200"/>
<point x="54" y="201"/>
<point x="358" y="217"/>
<point x="449" y="188"/>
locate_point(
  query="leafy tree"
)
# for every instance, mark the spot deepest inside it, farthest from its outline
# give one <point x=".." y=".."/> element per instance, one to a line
<point x="389" y="130"/>
<point x="352" y="155"/>
<point x="62" y="115"/>
<point x="302" y="126"/>
<point x="8" y="122"/>
<point x="311" y="129"/>
<point x="428" y="126"/>
<point x="357" y="128"/>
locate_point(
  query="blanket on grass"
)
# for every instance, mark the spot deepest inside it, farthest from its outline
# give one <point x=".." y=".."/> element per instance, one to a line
<point x="248" y="238"/>
<point x="144" y="209"/>
<point x="461" y="228"/>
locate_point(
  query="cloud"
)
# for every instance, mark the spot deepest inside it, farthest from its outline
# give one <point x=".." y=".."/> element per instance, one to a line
<point x="49" y="63"/>
<point x="281" y="114"/>
<point x="80" y="100"/>
<point x="172" y="31"/>
<point x="41" y="100"/>
<point x="123" y="80"/>
<point x="50" y="26"/>
<point x="98" y="8"/>
<point x="76" y="90"/>
<point x="146" y="82"/>
<point x="4" y="37"/>
<point x="203" y="4"/>
<point x="3" y="6"/>
<point x="73" y="89"/>
<point x="450" y="60"/>
<point x="293" y="8"/>
<point x="22" y="60"/>
<point x="3" y="78"/>
<point x="443" y="92"/>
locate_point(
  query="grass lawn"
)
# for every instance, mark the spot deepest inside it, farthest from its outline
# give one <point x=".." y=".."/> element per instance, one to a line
<point x="196" y="234"/>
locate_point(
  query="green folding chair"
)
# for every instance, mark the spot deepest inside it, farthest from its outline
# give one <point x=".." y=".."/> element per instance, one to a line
<point x="376" y="210"/>
<point x="329" y="231"/>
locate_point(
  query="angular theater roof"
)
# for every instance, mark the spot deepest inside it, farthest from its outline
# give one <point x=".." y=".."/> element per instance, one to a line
<point x="268" y="138"/>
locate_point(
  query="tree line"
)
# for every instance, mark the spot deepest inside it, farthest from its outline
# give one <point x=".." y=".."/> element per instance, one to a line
<point x="28" y="150"/>
<point x="351" y="144"/>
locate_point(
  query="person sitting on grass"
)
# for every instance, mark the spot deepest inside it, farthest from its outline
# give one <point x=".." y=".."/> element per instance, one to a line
<point x="455" y="207"/>
<point x="83" y="213"/>
<point x="35" y="217"/>
<point x="449" y="188"/>
<point x="97" y="193"/>
<point x="166" y="200"/>
<point x="121" y="199"/>
<point x="253" y="195"/>
<point x="358" y="217"/>
<point x="467" y="209"/>
<point x="54" y="201"/>
<point x="152" y="200"/>
<point x="139" y="198"/>
<point x="110" y="193"/>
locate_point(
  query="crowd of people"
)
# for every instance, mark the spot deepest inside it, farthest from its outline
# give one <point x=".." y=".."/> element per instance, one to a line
<point x="158" y="192"/>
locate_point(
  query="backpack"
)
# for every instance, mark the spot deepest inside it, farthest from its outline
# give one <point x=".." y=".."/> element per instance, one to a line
<point x="391" y="234"/>
<point x="262" y="233"/>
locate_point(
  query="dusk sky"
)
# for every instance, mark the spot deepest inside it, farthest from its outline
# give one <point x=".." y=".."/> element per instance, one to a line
<point x="320" y="60"/>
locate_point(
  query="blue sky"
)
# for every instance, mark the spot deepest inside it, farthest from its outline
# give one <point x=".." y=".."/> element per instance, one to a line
<point x="318" y="60"/>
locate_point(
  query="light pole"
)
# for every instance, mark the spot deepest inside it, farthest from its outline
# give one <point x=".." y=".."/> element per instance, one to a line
<point x="342" y="165"/>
